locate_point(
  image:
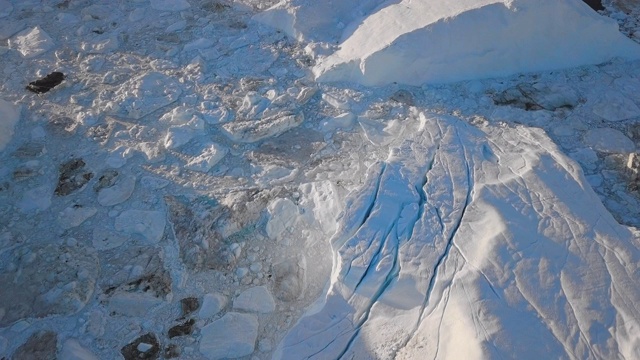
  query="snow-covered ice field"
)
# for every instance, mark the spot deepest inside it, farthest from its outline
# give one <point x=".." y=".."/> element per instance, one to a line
<point x="355" y="179"/>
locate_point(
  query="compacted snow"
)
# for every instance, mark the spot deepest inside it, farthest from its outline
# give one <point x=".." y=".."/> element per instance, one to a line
<point x="193" y="188"/>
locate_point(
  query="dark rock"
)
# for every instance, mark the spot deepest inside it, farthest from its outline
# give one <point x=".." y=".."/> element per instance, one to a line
<point x="72" y="177"/>
<point x="39" y="346"/>
<point x="151" y="284"/>
<point x="172" y="351"/>
<point x="154" y="279"/>
<point x="23" y="173"/>
<point x="131" y="352"/>
<point x="537" y="96"/>
<point x="183" y="329"/>
<point x="595" y="4"/>
<point x="215" y="6"/>
<point x="106" y="180"/>
<point x="46" y="83"/>
<point x="189" y="305"/>
<point x="30" y="150"/>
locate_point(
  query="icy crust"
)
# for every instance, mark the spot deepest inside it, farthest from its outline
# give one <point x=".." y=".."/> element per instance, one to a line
<point x="466" y="245"/>
<point x="433" y="41"/>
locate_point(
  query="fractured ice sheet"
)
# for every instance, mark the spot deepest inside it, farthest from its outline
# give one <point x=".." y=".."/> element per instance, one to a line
<point x="463" y="247"/>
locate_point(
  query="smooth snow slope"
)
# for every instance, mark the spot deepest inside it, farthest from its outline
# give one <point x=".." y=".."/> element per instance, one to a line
<point x="471" y="245"/>
<point x="433" y="41"/>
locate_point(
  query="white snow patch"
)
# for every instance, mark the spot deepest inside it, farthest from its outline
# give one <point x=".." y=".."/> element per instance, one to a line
<point x="32" y="42"/>
<point x="233" y="336"/>
<point x="9" y="116"/>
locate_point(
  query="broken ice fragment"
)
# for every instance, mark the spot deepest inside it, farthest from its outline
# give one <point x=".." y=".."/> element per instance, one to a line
<point x="609" y="141"/>
<point x="256" y="299"/>
<point x="118" y="192"/>
<point x="256" y="130"/>
<point x="209" y="157"/>
<point x="75" y="215"/>
<point x="149" y="224"/>
<point x="233" y="336"/>
<point x="31" y="42"/>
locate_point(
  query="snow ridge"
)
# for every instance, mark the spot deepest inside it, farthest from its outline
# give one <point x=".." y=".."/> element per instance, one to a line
<point x="413" y="255"/>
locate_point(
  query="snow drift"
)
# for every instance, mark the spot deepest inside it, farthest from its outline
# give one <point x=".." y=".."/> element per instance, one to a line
<point x="464" y="244"/>
<point x="433" y="41"/>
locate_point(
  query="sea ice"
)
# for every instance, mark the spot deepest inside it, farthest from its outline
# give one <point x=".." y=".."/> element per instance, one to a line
<point x="170" y="5"/>
<point x="10" y="114"/>
<point x="118" y="192"/>
<point x="75" y="215"/>
<point x="211" y="305"/>
<point x="609" y="141"/>
<point x="149" y="224"/>
<point x="256" y="299"/>
<point x="232" y="336"/>
<point x="614" y="106"/>
<point x="73" y="350"/>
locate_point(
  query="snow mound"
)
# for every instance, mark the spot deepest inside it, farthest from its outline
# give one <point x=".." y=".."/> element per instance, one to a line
<point x="433" y="41"/>
<point x="465" y="244"/>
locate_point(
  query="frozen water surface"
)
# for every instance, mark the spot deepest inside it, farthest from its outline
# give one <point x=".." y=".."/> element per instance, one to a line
<point x="217" y="179"/>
